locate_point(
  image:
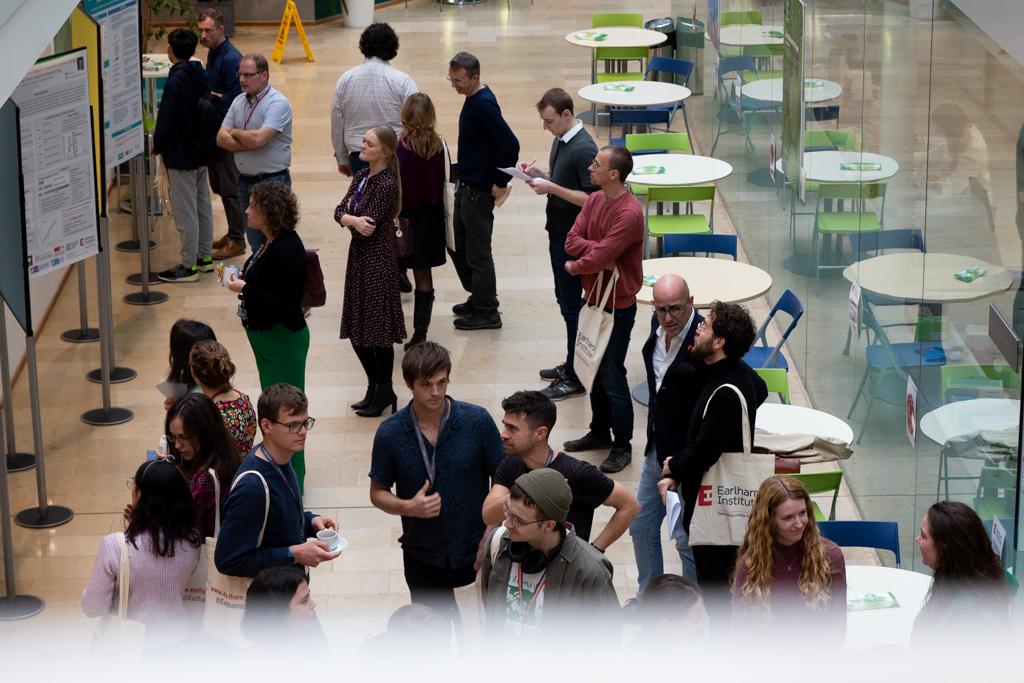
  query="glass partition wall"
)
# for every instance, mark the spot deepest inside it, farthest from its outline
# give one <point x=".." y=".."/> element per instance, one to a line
<point x="931" y="108"/>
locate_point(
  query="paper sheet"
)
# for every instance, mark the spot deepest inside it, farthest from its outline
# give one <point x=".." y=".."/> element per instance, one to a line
<point x="515" y="173"/>
<point x="674" y="512"/>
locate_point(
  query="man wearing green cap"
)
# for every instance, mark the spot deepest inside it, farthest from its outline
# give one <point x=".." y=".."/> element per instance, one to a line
<point x="536" y="575"/>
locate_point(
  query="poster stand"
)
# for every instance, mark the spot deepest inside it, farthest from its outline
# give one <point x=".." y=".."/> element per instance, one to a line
<point x="12" y="605"/>
<point x="137" y="171"/>
<point x="83" y="333"/>
<point x="16" y="462"/>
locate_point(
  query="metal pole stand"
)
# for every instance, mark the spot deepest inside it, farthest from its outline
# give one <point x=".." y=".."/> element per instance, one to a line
<point x="12" y="606"/>
<point x="83" y="333"/>
<point x="16" y="462"/>
<point x="45" y="515"/>
<point x="137" y="169"/>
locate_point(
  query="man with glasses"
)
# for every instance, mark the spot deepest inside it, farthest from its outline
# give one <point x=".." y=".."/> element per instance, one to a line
<point x="609" y="234"/>
<point x="258" y="129"/>
<point x="674" y="382"/>
<point x="537" y="576"/>
<point x="486" y="143"/>
<point x="246" y="543"/>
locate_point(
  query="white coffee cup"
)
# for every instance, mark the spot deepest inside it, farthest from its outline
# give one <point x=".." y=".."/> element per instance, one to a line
<point x="331" y="538"/>
<point x="229" y="272"/>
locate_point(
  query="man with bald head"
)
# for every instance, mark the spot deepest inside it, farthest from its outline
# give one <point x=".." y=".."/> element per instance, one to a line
<point x="674" y="381"/>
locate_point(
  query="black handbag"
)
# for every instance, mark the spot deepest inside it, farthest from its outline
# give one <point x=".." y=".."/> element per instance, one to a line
<point x="401" y="237"/>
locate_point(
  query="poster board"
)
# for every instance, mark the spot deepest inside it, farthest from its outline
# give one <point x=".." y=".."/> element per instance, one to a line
<point x="122" y="76"/>
<point x="85" y="33"/>
<point x="13" y="273"/>
<point x="57" y="163"/>
<point x="793" y="106"/>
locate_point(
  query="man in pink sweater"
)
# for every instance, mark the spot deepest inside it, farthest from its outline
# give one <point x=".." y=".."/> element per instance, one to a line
<point x="609" y="233"/>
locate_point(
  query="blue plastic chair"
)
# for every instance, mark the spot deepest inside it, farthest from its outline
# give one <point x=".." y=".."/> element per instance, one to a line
<point x="633" y="119"/>
<point x="697" y="244"/>
<point x="863" y="534"/>
<point x="728" y="65"/>
<point x="765" y="356"/>
<point x="826" y="113"/>
<point x="736" y="107"/>
<point x="678" y="67"/>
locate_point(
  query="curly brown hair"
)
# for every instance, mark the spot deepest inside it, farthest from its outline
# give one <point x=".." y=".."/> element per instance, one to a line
<point x="278" y="204"/>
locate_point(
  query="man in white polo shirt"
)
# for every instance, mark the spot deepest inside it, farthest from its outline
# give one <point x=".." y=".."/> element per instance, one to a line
<point x="258" y="129"/>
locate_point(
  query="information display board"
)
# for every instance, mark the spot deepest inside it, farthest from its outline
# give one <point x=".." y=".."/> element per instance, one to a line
<point x="57" y="163"/>
<point x="793" y="107"/>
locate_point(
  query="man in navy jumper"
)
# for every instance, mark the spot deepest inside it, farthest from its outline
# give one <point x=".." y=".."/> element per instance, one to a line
<point x="439" y="455"/>
<point x="485" y="143"/>
<point x="284" y="419"/>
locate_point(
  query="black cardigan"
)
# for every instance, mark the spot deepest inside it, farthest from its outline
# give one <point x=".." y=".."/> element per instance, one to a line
<point x="274" y="285"/>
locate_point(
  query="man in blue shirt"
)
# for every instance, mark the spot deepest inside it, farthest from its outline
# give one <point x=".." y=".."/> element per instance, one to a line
<point x="222" y="66"/>
<point x="439" y="455"/>
<point x="485" y="144"/>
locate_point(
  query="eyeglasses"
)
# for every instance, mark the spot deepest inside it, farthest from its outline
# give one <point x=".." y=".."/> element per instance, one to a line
<point x="703" y="325"/>
<point x="294" y="427"/>
<point x="675" y="310"/>
<point x="178" y="438"/>
<point x="250" y="74"/>
<point x="515" y="521"/>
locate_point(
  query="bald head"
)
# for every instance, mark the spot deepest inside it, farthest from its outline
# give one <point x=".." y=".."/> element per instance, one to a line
<point x="672" y="304"/>
<point x="671" y="287"/>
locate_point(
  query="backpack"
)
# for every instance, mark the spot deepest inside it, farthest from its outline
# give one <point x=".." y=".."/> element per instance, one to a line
<point x="206" y="124"/>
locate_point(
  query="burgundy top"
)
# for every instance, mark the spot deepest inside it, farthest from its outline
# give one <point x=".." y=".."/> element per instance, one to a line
<point x="422" y="179"/>
<point x="609" y="233"/>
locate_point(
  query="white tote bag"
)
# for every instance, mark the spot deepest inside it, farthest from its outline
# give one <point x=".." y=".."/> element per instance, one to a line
<point x="448" y="198"/>
<point x="727" y="491"/>
<point x="594" y="331"/>
<point x="195" y="591"/>
<point x="118" y="636"/>
<point x="225" y="595"/>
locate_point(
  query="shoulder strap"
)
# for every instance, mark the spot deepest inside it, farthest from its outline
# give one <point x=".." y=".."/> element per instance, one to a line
<point x="216" y="507"/>
<point x="496" y="537"/>
<point x="447" y="161"/>
<point x="123" y="577"/>
<point x="743" y="408"/>
<point x="266" y="505"/>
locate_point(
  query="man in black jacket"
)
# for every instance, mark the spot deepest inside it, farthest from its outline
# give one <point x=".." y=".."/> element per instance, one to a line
<point x="722" y="339"/>
<point x="674" y="382"/>
<point x="189" y="180"/>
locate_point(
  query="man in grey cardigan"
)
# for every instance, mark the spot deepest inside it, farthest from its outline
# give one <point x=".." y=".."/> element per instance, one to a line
<point x="538" y="575"/>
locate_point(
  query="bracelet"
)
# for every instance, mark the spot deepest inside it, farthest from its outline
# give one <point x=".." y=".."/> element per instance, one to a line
<point x="596" y="548"/>
<point x="291" y="555"/>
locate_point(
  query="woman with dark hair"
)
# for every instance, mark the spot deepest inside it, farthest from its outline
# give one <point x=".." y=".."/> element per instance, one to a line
<point x="184" y="334"/>
<point x="786" y="571"/>
<point x="278" y="604"/>
<point x="969" y="587"/>
<point x="371" y="317"/>
<point x="212" y="368"/>
<point x="270" y="290"/>
<point x="199" y="442"/>
<point x="421" y="158"/>
<point x="163" y="550"/>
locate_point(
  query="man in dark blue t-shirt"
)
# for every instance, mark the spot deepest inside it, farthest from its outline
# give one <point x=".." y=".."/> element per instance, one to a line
<point x="486" y="143"/>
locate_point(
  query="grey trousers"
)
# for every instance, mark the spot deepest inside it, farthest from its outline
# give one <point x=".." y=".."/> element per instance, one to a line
<point x="193" y="213"/>
<point x="224" y="182"/>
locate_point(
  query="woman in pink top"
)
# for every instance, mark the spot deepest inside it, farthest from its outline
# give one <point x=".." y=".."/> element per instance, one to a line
<point x="163" y="551"/>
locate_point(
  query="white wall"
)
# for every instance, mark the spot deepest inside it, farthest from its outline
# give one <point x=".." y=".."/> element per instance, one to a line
<point x="1002" y="20"/>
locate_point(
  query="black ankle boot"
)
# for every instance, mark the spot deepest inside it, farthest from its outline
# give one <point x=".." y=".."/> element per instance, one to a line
<point x="383" y="396"/>
<point x="423" y="308"/>
<point x="404" y="286"/>
<point x="359" y="405"/>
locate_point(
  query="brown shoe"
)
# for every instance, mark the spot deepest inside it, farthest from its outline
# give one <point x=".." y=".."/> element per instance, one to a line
<point x="229" y="250"/>
<point x="221" y="242"/>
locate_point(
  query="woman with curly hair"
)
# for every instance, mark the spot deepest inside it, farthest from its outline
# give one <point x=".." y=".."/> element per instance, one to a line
<point x="371" y="316"/>
<point x="270" y="290"/>
<point x="212" y="368"/>
<point x="785" y="570"/>
<point x="421" y="157"/>
<point x="969" y="587"/>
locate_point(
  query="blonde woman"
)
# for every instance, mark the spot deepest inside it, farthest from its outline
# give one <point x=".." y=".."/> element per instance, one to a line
<point x="785" y="569"/>
<point x="421" y="156"/>
<point x="371" y="316"/>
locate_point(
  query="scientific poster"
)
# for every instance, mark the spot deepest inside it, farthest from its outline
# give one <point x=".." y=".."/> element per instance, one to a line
<point x="57" y="163"/>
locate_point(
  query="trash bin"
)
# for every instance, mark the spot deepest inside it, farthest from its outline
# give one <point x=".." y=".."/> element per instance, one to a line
<point x="690" y="48"/>
<point x="668" y="48"/>
<point x="360" y="13"/>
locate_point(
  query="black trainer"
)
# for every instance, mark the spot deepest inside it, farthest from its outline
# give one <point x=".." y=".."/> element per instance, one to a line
<point x="616" y="460"/>
<point x="179" y="274"/>
<point x="479" y="321"/>
<point x="465" y="308"/>
<point x="551" y="374"/>
<point x="563" y="388"/>
<point x="588" y="442"/>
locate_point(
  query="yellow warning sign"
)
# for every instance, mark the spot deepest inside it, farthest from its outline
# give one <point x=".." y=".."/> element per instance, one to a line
<point x="291" y="12"/>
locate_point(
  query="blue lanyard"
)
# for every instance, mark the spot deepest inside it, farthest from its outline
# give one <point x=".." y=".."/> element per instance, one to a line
<point x="287" y="485"/>
<point x="359" y="194"/>
<point x="430" y="462"/>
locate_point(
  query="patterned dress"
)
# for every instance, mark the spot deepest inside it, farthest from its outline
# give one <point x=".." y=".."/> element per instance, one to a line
<point x="240" y="419"/>
<point x="372" y="311"/>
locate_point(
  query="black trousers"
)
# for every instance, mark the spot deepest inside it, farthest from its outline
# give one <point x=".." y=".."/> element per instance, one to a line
<point x="715" y="566"/>
<point x="224" y="182"/>
<point x="435" y="586"/>
<point x="474" y="263"/>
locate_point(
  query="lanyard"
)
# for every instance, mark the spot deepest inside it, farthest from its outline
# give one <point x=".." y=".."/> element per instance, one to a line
<point x="287" y="485"/>
<point x="430" y="462"/>
<point x="359" y="194"/>
<point x="527" y="606"/>
<point x="255" y="104"/>
<point x="256" y="257"/>
<point x="551" y="456"/>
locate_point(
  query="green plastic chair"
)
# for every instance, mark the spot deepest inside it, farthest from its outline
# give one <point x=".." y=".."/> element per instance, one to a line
<point x="997" y="493"/>
<point x="766" y="75"/>
<point x="622" y="55"/>
<point x="599" y="19"/>
<point x="845" y="139"/>
<point x="952" y="377"/>
<point x="644" y="142"/>
<point x="777" y="380"/>
<point x="729" y="18"/>
<point x="821" y="482"/>
<point x="675" y="223"/>
<point x="838" y="223"/>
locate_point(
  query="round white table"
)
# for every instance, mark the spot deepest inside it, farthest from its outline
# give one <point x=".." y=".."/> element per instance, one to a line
<point x="926" y="277"/>
<point x="634" y="93"/>
<point x="680" y="169"/>
<point x="780" y="418"/>
<point x="867" y="629"/>
<point x="962" y="418"/>
<point x="750" y="34"/>
<point x="616" y="36"/>
<point x="709" y="279"/>
<point x="826" y="167"/>
<point x="770" y="90"/>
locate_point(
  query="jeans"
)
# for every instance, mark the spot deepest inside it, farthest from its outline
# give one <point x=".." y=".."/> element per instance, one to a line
<point x="435" y="586"/>
<point x="568" y="294"/>
<point x="193" y="213"/>
<point x="474" y="223"/>
<point x="355" y="163"/>
<point x="245" y="183"/>
<point x="610" y="402"/>
<point x="224" y="182"/>
<point x="646" y="528"/>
